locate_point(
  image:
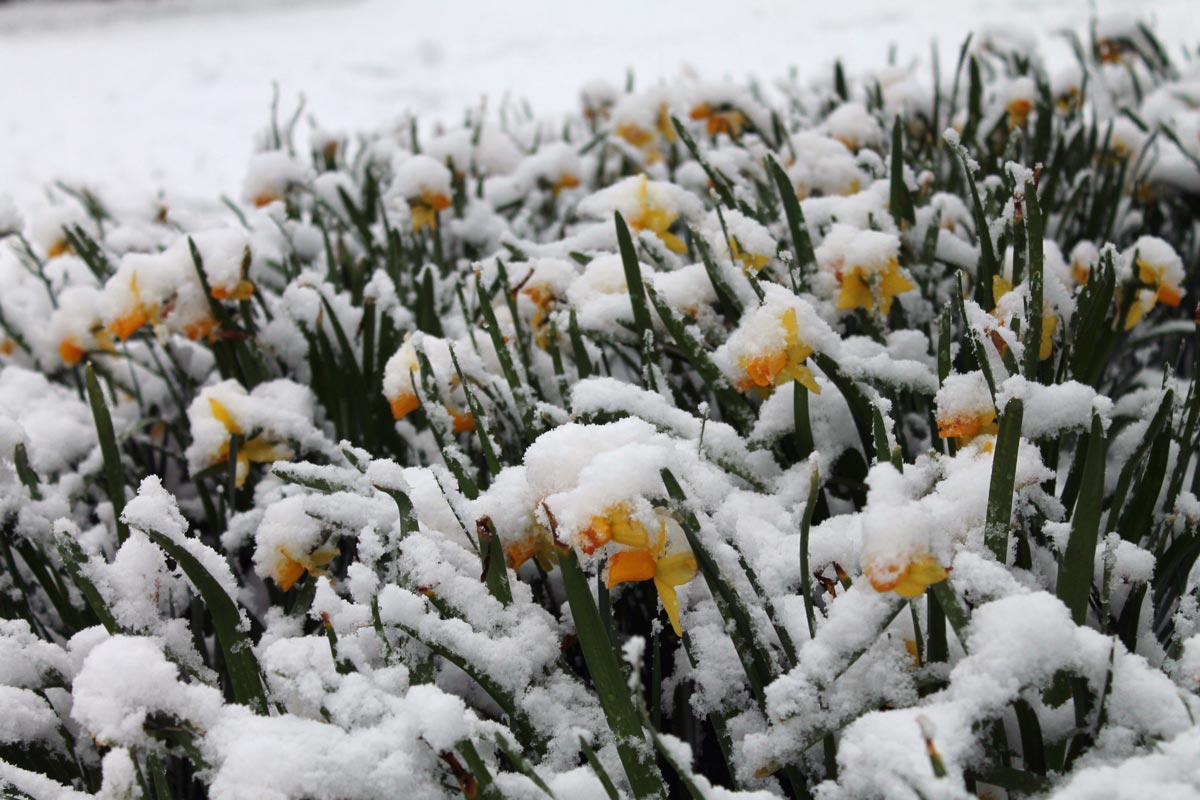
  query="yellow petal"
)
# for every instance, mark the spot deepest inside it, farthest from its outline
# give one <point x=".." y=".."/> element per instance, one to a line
<point x="670" y="601"/>
<point x="788" y="320"/>
<point x="1141" y="304"/>
<point x="288" y="571"/>
<point x="676" y="570"/>
<point x="628" y="531"/>
<point x="259" y="450"/>
<point x="222" y="415"/>
<point x="673" y="242"/>
<point x="1000" y="287"/>
<point x="1049" y="326"/>
<point x="803" y="375"/>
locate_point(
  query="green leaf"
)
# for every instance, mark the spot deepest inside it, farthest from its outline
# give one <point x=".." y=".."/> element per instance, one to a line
<point x="1079" y="561"/>
<point x="1034" y="236"/>
<point x="637" y="298"/>
<point x="810" y="504"/>
<point x="901" y="201"/>
<point x="802" y="247"/>
<point x="245" y="675"/>
<point x="491" y="550"/>
<point x="609" y="682"/>
<point x="1004" y="473"/>
<point x="114" y="474"/>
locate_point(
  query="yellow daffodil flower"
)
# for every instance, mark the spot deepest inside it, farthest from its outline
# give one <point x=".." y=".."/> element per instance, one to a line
<point x="425" y="207"/>
<point x="965" y="427"/>
<point x="1018" y="110"/>
<point x="290" y="568"/>
<point x="1159" y="291"/>
<point x="780" y="366"/>
<point x="863" y="290"/>
<point x="721" y="119"/>
<point x="908" y="580"/>
<point x="1002" y="286"/>
<point x="256" y="450"/>
<point x="650" y="217"/>
<point x="242" y="290"/>
<point x="135" y="317"/>
<point x="751" y="262"/>
<point x="644" y="563"/>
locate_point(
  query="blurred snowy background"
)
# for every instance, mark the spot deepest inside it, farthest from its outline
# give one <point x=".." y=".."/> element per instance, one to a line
<point x="134" y="96"/>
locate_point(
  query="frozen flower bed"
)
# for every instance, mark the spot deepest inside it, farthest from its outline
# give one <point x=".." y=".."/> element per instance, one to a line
<point x="834" y="443"/>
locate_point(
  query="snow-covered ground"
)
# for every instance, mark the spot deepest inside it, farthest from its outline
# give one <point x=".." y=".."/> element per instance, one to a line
<point x="133" y="97"/>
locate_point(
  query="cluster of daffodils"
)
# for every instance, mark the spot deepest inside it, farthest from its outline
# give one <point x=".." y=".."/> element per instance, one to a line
<point x="835" y="438"/>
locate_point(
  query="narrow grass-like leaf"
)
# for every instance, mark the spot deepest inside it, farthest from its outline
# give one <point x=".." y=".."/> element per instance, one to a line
<point x="609" y="682"/>
<point x="1078" y="562"/>
<point x="1004" y="472"/>
<point x="491" y="550"/>
<point x="802" y="247"/>
<point x="901" y="202"/>
<point x="245" y="675"/>
<point x="114" y="473"/>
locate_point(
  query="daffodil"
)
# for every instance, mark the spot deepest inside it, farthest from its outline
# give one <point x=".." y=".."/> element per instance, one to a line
<point x="656" y="219"/>
<point x="751" y="262"/>
<point x="1002" y="286"/>
<point x="537" y="543"/>
<point x="778" y="366"/>
<point x="720" y="119"/>
<point x="255" y="450"/>
<point x="70" y="351"/>
<point x="1161" y="289"/>
<point x="615" y="524"/>
<point x="136" y="315"/>
<point x="644" y="562"/>
<point x="1018" y="110"/>
<point x="204" y="327"/>
<point x="965" y="427"/>
<point x="242" y="290"/>
<point x="564" y="181"/>
<point x="424" y="208"/>
<point x="863" y="289"/>
<point x="909" y="579"/>
<point x="290" y="567"/>
<point x="644" y="138"/>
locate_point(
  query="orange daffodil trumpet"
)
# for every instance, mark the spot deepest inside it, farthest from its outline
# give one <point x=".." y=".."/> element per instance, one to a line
<point x="1017" y="96"/>
<point x="1159" y="273"/>
<point x="964" y="408"/>
<point x="865" y="267"/>
<point x="425" y="184"/>
<point x="403" y="370"/>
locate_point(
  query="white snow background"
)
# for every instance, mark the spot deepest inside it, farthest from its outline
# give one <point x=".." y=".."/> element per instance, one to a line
<point x="135" y="96"/>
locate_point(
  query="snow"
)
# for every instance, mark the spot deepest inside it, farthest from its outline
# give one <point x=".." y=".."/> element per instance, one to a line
<point x="393" y="645"/>
<point x="127" y="69"/>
